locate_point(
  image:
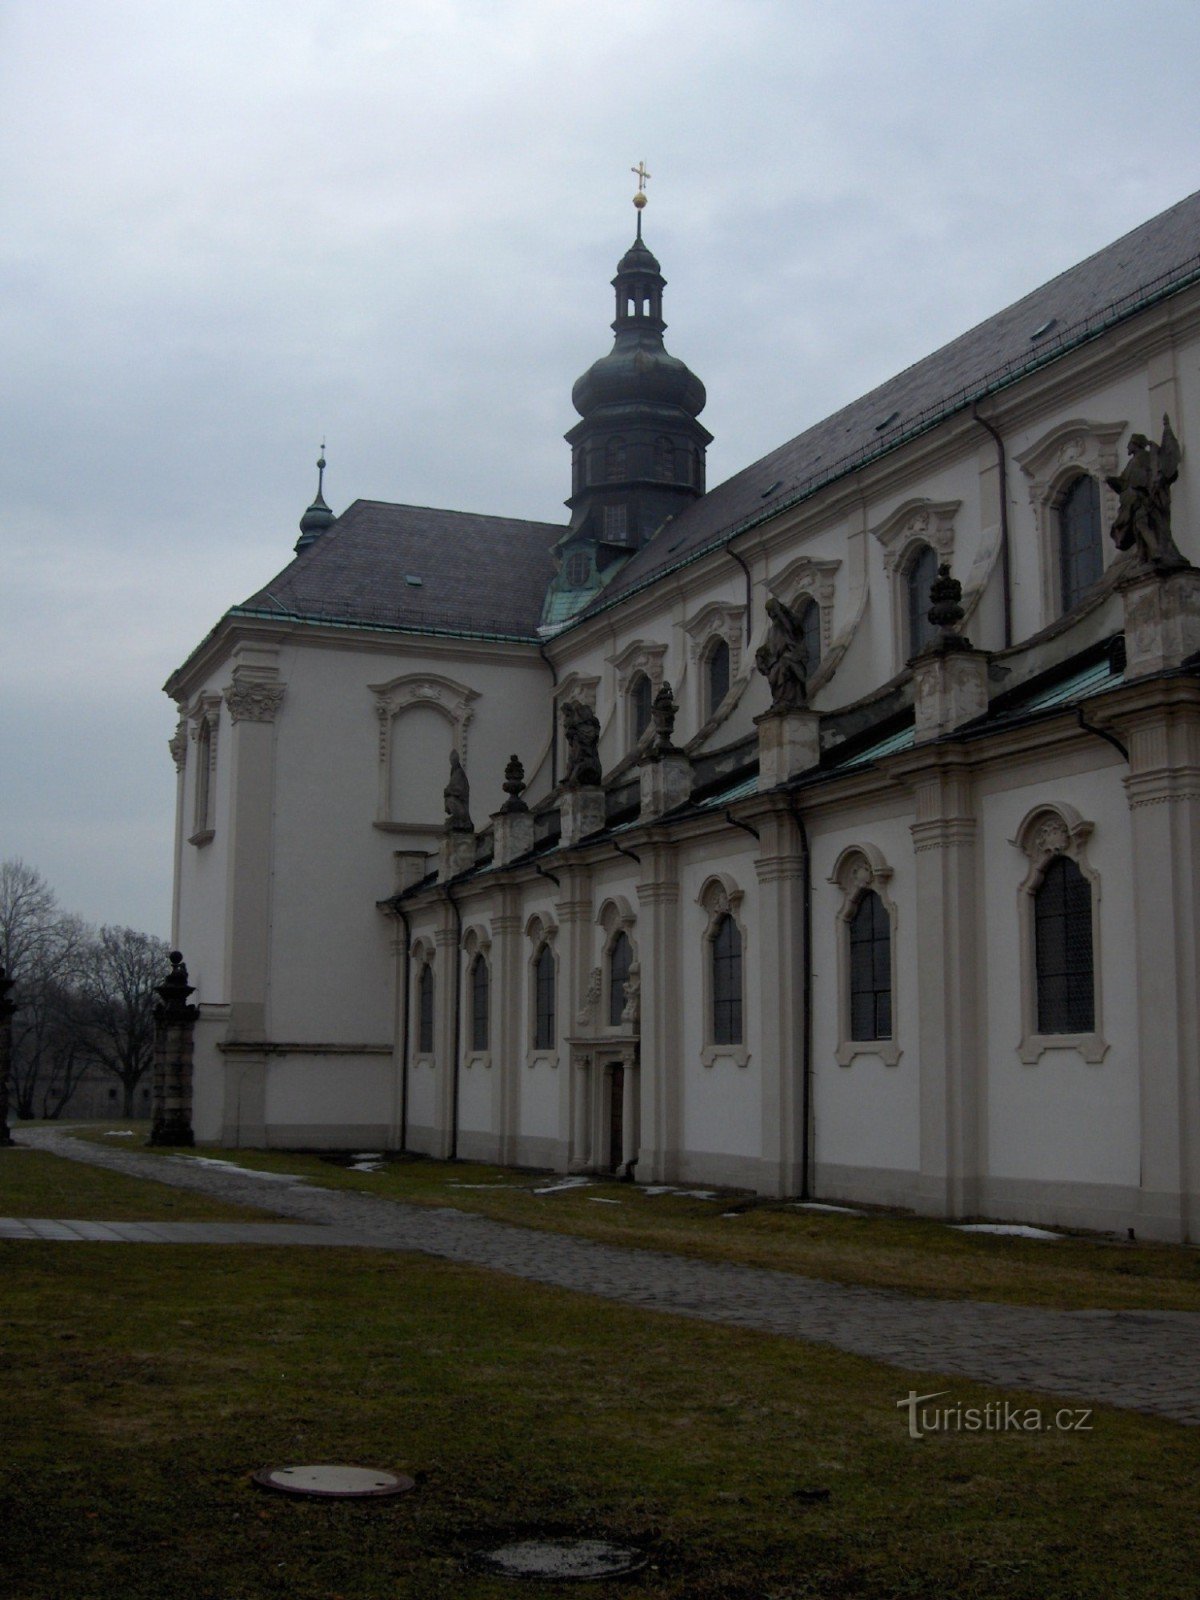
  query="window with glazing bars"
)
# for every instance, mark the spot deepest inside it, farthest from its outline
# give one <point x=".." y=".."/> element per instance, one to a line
<point x="1062" y="921"/>
<point x="479" y="1004"/>
<point x="727" y="982"/>
<point x="543" y="1025"/>
<point x="922" y="570"/>
<point x="425" y="1010"/>
<point x="620" y="959"/>
<point x="870" y="970"/>
<point x="718" y="675"/>
<point x="641" y="697"/>
<point x="1080" y="550"/>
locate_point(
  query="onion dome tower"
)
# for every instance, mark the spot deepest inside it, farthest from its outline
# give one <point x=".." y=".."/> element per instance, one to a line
<point x="318" y="517"/>
<point x="637" y="454"/>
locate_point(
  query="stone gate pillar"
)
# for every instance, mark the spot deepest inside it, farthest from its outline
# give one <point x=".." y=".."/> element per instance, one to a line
<point x="174" y="1031"/>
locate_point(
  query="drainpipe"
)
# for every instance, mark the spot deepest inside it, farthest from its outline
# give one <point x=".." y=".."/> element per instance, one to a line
<point x="806" y="1050"/>
<point x="553" y="718"/>
<point x="729" y="551"/>
<point x="457" y="1024"/>
<point x="406" y="982"/>
<point x="1005" y="570"/>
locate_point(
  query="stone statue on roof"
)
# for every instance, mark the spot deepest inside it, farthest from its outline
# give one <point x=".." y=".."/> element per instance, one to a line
<point x="783" y="659"/>
<point x="582" y="728"/>
<point x="663" y="711"/>
<point x="1143" y="520"/>
<point x="457" y="795"/>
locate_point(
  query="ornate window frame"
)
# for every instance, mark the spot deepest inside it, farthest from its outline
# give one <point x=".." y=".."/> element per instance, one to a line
<point x="713" y="622"/>
<point x="541" y="933"/>
<point x="720" y="896"/>
<point x="1051" y="829"/>
<point x="1065" y="452"/>
<point x="811" y="578"/>
<point x="392" y="699"/>
<point x="476" y="946"/>
<point x="858" y="868"/>
<point x="204" y="716"/>
<point x="421" y="954"/>
<point x="616" y="916"/>
<point x="916" y="522"/>
<point x="642" y="656"/>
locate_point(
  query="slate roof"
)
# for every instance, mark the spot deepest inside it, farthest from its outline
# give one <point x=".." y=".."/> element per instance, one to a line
<point x="1155" y="260"/>
<point x="478" y="575"/>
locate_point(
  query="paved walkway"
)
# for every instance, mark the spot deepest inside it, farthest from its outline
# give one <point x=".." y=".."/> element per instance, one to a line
<point x="1141" y="1360"/>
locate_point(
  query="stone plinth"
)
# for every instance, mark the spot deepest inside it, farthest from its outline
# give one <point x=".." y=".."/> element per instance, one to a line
<point x="789" y="742"/>
<point x="1162" y="619"/>
<point x="582" y="812"/>
<point x="666" y="783"/>
<point x="949" y="688"/>
<point x="512" y="836"/>
<point x="410" y="867"/>
<point x="456" y="854"/>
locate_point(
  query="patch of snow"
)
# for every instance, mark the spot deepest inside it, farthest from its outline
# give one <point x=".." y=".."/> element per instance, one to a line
<point x="603" y="1200"/>
<point x="817" y="1205"/>
<point x="245" y="1172"/>
<point x="366" y="1166"/>
<point x="1017" y="1229"/>
<point x="567" y="1183"/>
<point x="119" y="1133"/>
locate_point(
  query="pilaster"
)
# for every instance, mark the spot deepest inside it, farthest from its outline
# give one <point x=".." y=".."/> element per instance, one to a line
<point x="949" y="688"/>
<point x="666" y="782"/>
<point x="789" y="743"/>
<point x="582" y="812"/>
<point x="949" y="1046"/>
<point x="446" y="1043"/>
<point x="1163" y="791"/>
<point x="781" y="962"/>
<point x="508" y="979"/>
<point x="1162" y="620"/>
<point x="662" y="1004"/>
<point x="573" y="908"/>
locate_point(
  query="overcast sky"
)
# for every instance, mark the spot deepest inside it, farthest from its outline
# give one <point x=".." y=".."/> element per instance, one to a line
<point x="230" y="229"/>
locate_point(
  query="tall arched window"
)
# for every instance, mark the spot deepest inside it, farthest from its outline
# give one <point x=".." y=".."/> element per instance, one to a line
<point x="1062" y="922"/>
<point x="870" y="969"/>
<point x="727" y="982"/>
<point x="1080" y="549"/>
<point x="810" y="633"/>
<point x="614" y="459"/>
<point x="425" y="1009"/>
<point x="202" y="810"/>
<point x="717" y="676"/>
<point x="919" y="573"/>
<point x="664" y="459"/>
<point x="543" y="984"/>
<point x="641" y="696"/>
<point x="620" y="959"/>
<point x="479" y="1004"/>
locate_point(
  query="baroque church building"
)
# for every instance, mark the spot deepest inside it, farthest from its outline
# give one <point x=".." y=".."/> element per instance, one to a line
<point x="832" y="833"/>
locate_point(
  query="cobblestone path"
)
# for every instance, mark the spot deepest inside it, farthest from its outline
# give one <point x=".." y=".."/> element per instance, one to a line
<point x="1141" y="1360"/>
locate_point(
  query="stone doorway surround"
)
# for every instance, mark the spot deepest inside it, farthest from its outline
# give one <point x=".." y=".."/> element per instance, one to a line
<point x="593" y="1061"/>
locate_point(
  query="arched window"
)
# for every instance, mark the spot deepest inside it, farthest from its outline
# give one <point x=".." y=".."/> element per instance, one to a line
<point x="1080" y="550"/>
<point x="641" y="695"/>
<point x="577" y="569"/>
<point x="620" y="959"/>
<point x="664" y="459"/>
<point x="425" y="1009"/>
<point x="203" y="765"/>
<point x="543" y="983"/>
<point x="1062" y="923"/>
<point x="614" y="459"/>
<point x="919" y="573"/>
<point x="727" y="981"/>
<point x="870" y="969"/>
<point x="717" y="683"/>
<point x="479" y="1004"/>
<point x="810" y="633"/>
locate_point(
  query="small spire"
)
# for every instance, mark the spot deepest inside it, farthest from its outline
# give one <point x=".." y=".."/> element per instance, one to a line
<point x="318" y="517"/>
<point x="640" y="197"/>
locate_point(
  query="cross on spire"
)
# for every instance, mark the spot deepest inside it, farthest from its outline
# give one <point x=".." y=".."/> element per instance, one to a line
<point x="642" y="175"/>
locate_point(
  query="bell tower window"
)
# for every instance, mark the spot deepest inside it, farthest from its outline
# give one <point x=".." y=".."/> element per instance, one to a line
<point x="614" y="459"/>
<point x="616" y="524"/>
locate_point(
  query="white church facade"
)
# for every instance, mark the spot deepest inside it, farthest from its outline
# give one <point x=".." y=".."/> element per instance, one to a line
<point x="916" y="926"/>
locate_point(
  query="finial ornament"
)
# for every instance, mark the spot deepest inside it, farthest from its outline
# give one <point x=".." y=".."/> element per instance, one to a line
<point x="639" y="199"/>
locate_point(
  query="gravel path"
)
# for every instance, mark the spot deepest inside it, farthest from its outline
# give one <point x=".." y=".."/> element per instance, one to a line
<point x="1141" y="1360"/>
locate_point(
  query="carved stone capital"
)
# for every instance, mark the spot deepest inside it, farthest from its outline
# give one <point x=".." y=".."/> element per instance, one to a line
<point x="251" y="700"/>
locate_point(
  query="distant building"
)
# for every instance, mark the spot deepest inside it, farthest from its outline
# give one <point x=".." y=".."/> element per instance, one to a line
<point x="925" y="934"/>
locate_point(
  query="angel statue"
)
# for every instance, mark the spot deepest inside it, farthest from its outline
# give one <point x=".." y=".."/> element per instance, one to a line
<point x="582" y="728"/>
<point x="1143" y="520"/>
<point x="457" y="795"/>
<point x="783" y="659"/>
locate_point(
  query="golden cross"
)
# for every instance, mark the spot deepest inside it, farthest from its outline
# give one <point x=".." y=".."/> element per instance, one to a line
<point x="642" y="175"/>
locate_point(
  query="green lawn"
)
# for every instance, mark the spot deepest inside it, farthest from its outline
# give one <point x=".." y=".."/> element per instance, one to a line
<point x="143" y="1384"/>
<point x="35" y="1184"/>
<point x="881" y="1249"/>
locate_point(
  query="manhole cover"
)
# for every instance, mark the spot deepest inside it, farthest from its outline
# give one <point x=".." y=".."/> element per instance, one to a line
<point x="334" y="1482"/>
<point x="563" y="1559"/>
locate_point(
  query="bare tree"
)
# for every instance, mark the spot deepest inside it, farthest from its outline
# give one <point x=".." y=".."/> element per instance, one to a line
<point x="40" y="946"/>
<point x="119" y="973"/>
